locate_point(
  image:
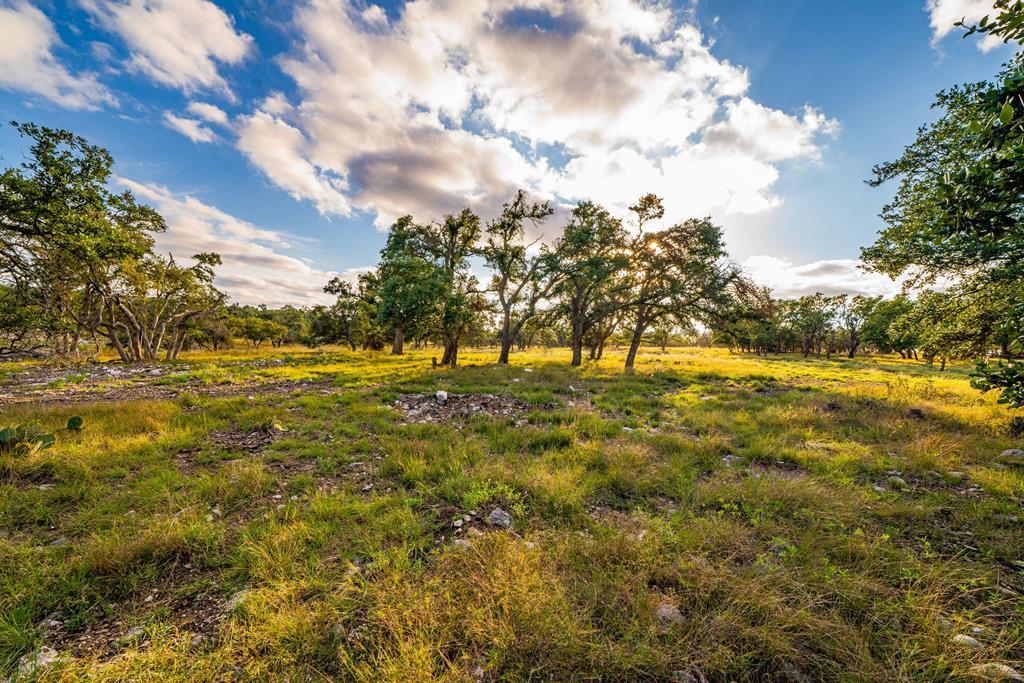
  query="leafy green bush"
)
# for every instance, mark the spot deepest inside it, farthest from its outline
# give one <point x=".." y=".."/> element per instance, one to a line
<point x="24" y="440"/>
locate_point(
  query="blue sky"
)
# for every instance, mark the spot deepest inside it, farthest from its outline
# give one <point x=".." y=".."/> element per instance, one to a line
<point x="286" y="135"/>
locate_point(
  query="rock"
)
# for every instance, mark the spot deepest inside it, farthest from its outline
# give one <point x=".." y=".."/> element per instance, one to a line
<point x="235" y="601"/>
<point x="794" y="674"/>
<point x="367" y="487"/>
<point x="461" y="544"/>
<point x="499" y="518"/>
<point x="668" y="615"/>
<point x="955" y="476"/>
<point x="965" y="640"/>
<point x="897" y="483"/>
<point x="993" y="671"/>
<point x="1013" y="456"/>
<point x="457" y="524"/>
<point x="728" y="460"/>
<point x="688" y="676"/>
<point x="60" y="540"/>
<point x="915" y="413"/>
<point x="34" y="662"/>
<point x="134" y="633"/>
<point x="441" y="396"/>
<point x="1006" y="519"/>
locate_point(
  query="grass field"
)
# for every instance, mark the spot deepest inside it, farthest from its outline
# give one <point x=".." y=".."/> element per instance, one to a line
<point x="320" y="515"/>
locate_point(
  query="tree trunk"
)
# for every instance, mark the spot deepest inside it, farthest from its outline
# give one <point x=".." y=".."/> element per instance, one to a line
<point x="506" y="336"/>
<point x="634" y="346"/>
<point x="396" y="347"/>
<point x="506" y="347"/>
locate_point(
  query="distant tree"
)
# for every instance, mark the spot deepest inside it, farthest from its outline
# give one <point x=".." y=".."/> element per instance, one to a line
<point x="877" y="329"/>
<point x="258" y="330"/>
<point x="811" y="318"/>
<point x="521" y="281"/>
<point x="146" y="305"/>
<point x="449" y="244"/>
<point x="591" y="256"/>
<point x="853" y="312"/>
<point x="409" y="284"/>
<point x="674" y="273"/>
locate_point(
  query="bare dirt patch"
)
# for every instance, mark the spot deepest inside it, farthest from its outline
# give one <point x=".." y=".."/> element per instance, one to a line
<point x="86" y="393"/>
<point x="188" y="594"/>
<point x="444" y="408"/>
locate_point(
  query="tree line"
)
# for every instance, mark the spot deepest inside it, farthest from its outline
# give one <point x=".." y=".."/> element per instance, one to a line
<point x="596" y="278"/>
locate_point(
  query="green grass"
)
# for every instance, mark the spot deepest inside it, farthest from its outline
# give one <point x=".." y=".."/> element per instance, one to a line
<point x="755" y="495"/>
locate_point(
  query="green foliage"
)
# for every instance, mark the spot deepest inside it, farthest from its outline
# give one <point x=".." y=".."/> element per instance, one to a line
<point x="410" y="285"/>
<point x="591" y="257"/>
<point x="75" y="423"/>
<point x="24" y="440"/>
<point x="957" y="214"/>
<point x="520" y="281"/>
<point x="81" y="258"/>
<point x="1007" y="378"/>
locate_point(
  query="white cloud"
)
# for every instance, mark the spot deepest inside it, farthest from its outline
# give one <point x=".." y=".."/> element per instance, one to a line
<point x="193" y="129"/>
<point x="282" y="152"/>
<point x="177" y="43"/>
<point x="208" y="112"/>
<point x="455" y="104"/>
<point x="27" y="61"/>
<point x="834" y="276"/>
<point x="943" y="14"/>
<point x="256" y="268"/>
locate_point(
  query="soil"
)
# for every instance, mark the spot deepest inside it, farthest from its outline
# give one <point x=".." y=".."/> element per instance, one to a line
<point x="428" y="408"/>
<point x="84" y="393"/>
<point x="190" y="594"/>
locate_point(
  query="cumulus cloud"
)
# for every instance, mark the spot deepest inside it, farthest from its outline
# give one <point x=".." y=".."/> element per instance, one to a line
<point x="208" y="112"/>
<point x="453" y="104"/>
<point x="193" y="129"/>
<point x="836" y="276"/>
<point x="177" y="43"/>
<point x="28" y="64"/>
<point x="256" y="267"/>
<point x="943" y="14"/>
